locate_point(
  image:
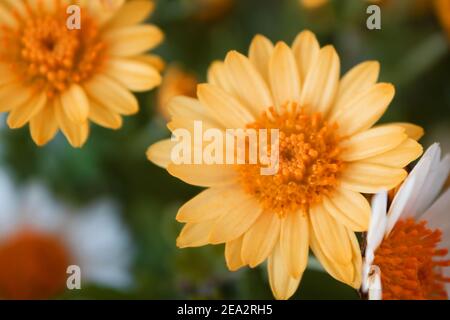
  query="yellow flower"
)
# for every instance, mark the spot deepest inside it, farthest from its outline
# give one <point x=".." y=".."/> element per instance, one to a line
<point x="329" y="153"/>
<point x="56" y="77"/>
<point x="176" y="82"/>
<point x="443" y="12"/>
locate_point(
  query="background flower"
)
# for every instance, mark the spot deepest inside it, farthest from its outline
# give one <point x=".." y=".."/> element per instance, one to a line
<point x="41" y="237"/>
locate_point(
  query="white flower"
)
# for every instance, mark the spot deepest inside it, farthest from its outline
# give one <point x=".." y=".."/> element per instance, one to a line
<point x="407" y="249"/>
<point x="41" y="237"/>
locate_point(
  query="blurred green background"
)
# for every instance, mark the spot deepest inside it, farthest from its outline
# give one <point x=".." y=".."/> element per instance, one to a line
<point x="414" y="54"/>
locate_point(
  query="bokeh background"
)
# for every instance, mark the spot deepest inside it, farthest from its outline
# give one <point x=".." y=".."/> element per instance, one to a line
<point x="412" y="47"/>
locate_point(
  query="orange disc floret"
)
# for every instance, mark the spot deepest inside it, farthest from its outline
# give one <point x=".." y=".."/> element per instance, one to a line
<point x="411" y="263"/>
<point x="309" y="163"/>
<point x="32" y="266"/>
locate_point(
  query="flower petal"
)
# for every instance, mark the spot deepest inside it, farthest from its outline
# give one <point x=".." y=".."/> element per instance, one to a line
<point x="103" y="116"/>
<point x="194" y="235"/>
<point x="20" y="115"/>
<point x="131" y="13"/>
<point x="248" y="83"/>
<point x="321" y="83"/>
<point x="364" y="110"/>
<point x="233" y="254"/>
<point x="203" y="175"/>
<point x="284" y="78"/>
<point x="75" y="104"/>
<point x="110" y="94"/>
<point x="76" y="133"/>
<point x="371" y="178"/>
<point x="133" y="40"/>
<point x="283" y="285"/>
<point x="224" y="107"/>
<point x="238" y="215"/>
<point x="306" y="50"/>
<point x="399" y="157"/>
<point x="259" y="54"/>
<point x="359" y="79"/>
<point x="294" y="243"/>
<point x="372" y="142"/>
<point x="160" y="153"/>
<point x="349" y="208"/>
<point x="43" y="126"/>
<point x="260" y="239"/>
<point x="134" y="75"/>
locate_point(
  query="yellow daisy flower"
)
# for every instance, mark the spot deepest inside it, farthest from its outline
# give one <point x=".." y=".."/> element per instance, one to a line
<point x="56" y="77"/>
<point x="176" y="82"/>
<point x="329" y="153"/>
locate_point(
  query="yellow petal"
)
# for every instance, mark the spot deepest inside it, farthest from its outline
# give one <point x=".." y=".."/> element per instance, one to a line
<point x="413" y="131"/>
<point x="238" y="215"/>
<point x="20" y="115"/>
<point x="194" y="235"/>
<point x="294" y="242"/>
<point x="132" y="12"/>
<point x="283" y="285"/>
<point x="133" y="40"/>
<point x="7" y="76"/>
<point x="226" y="110"/>
<point x="75" y="104"/>
<point x="331" y="235"/>
<point x="110" y="94"/>
<point x="284" y="78"/>
<point x="134" y="75"/>
<point x="103" y="116"/>
<point x="209" y="204"/>
<point x="399" y="157"/>
<point x="371" y="178"/>
<point x="160" y="153"/>
<point x="349" y="208"/>
<point x="7" y="18"/>
<point x="306" y="50"/>
<point x="359" y="79"/>
<point x="320" y="86"/>
<point x="364" y="110"/>
<point x="43" y="126"/>
<point x="248" y="83"/>
<point x="13" y="95"/>
<point x="260" y="239"/>
<point x="152" y="60"/>
<point x="76" y="134"/>
<point x="372" y="142"/>
<point x="259" y="54"/>
<point x="204" y="175"/>
<point x="233" y="254"/>
<point x="219" y="76"/>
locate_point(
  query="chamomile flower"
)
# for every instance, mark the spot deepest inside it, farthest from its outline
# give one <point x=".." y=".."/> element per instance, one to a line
<point x="57" y="77"/>
<point x="41" y="237"/>
<point x="329" y="154"/>
<point x="407" y="250"/>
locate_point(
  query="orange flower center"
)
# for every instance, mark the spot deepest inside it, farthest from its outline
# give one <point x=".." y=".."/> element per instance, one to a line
<point x="32" y="266"/>
<point x="309" y="163"/>
<point x="411" y="263"/>
<point x="46" y="55"/>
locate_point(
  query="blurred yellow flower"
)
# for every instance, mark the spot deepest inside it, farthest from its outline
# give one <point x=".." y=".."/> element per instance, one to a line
<point x="329" y="153"/>
<point x="313" y="4"/>
<point x="176" y="82"/>
<point x="210" y="10"/>
<point x="56" y="78"/>
<point x="443" y="12"/>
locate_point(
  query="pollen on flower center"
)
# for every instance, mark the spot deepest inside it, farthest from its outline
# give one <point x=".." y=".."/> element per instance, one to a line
<point x="411" y="263"/>
<point x="45" y="54"/>
<point x="309" y="163"/>
<point x="32" y="266"/>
